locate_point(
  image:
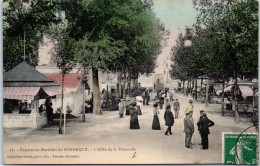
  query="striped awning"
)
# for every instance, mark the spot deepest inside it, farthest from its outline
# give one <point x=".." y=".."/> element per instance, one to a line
<point x="227" y="89"/>
<point x="245" y="90"/>
<point x="52" y="90"/>
<point x="28" y="93"/>
<point x="20" y="93"/>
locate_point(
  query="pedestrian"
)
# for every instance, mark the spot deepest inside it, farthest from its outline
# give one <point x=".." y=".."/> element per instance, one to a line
<point x="204" y="125"/>
<point x="139" y="103"/>
<point x="176" y="107"/>
<point x="49" y="111"/>
<point x="188" y="129"/>
<point x="156" y="122"/>
<point x="134" y="124"/>
<point x="148" y="98"/>
<point x="161" y="99"/>
<point x="122" y="107"/>
<point x="128" y="108"/>
<point x="169" y="119"/>
<point x="171" y="96"/>
<point x="201" y="116"/>
<point x="144" y="97"/>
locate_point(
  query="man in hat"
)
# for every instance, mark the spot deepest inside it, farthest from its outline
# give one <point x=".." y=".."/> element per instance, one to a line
<point x="201" y="116"/>
<point x="176" y="107"/>
<point x="169" y="119"/>
<point x="204" y="125"/>
<point x="188" y="129"/>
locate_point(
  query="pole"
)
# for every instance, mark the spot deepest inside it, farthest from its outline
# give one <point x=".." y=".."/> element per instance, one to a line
<point x="223" y="104"/>
<point x="196" y="87"/>
<point x="65" y="111"/>
<point x="207" y="94"/>
<point x="24" y="45"/>
<point x="62" y="94"/>
<point x="83" y="109"/>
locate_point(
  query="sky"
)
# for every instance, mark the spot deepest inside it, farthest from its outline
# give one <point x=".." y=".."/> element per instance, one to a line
<point x="175" y="15"/>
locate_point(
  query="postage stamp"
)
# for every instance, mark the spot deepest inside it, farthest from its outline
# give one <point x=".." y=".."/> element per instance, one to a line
<point x="240" y="148"/>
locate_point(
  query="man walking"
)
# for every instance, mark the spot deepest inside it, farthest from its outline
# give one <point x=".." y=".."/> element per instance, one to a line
<point x="169" y="119"/>
<point x="188" y="129"/>
<point x="176" y="107"/>
<point x="204" y="125"/>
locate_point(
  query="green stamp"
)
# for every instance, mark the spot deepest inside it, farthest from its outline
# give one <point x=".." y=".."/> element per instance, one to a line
<point x="240" y="148"/>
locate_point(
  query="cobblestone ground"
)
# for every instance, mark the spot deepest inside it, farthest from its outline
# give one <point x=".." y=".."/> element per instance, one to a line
<point x="107" y="139"/>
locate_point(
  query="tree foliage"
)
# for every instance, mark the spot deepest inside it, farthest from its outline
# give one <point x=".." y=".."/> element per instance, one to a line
<point x="225" y="40"/>
<point x="30" y="19"/>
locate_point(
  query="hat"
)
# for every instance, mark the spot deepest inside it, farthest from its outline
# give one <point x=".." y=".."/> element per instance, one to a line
<point x="201" y="111"/>
<point x="204" y="113"/>
<point x="190" y="110"/>
<point x="187" y="112"/>
<point x="190" y="101"/>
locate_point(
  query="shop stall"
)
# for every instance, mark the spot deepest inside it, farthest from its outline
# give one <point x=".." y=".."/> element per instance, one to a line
<point x="24" y="89"/>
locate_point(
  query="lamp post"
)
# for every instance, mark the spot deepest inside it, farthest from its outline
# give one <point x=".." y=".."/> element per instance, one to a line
<point x="187" y="38"/>
<point x="187" y="42"/>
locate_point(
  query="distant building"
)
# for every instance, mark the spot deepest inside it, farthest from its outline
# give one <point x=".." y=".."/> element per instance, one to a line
<point x="159" y="82"/>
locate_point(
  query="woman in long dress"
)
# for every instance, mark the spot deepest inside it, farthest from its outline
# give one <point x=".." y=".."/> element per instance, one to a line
<point x="156" y="122"/>
<point x="121" y="106"/>
<point x="134" y="124"/>
<point x="139" y="103"/>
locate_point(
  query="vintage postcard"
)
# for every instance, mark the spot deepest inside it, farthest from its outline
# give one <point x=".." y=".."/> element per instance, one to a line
<point x="130" y="82"/>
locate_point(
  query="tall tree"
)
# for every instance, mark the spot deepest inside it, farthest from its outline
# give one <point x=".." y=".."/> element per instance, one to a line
<point x="24" y="24"/>
<point x="111" y="35"/>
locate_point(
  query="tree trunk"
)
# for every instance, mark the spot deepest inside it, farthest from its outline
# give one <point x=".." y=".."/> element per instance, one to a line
<point x="129" y="84"/>
<point x="96" y="92"/>
<point x="236" y="93"/>
<point x="136" y="83"/>
<point x="207" y="94"/>
<point x="196" y="87"/>
<point x="187" y="89"/>
<point x="223" y="103"/>
<point x="192" y="85"/>
<point x="183" y="85"/>
<point x="120" y="82"/>
<point x="124" y="92"/>
<point x="62" y="95"/>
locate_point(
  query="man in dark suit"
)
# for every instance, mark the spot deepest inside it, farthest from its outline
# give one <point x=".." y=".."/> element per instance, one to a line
<point x="204" y="125"/>
<point x="188" y="129"/>
<point x="169" y="119"/>
<point x="201" y="116"/>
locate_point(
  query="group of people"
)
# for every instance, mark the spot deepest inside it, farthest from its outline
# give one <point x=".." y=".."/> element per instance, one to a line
<point x="134" y="109"/>
<point x="146" y="97"/>
<point x="203" y="126"/>
<point x="166" y="96"/>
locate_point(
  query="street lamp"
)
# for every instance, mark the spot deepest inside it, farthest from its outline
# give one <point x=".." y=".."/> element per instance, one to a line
<point x="187" y="38"/>
<point x="187" y="42"/>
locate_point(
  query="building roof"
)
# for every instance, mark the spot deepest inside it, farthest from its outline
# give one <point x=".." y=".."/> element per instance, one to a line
<point x="71" y="80"/>
<point x="25" y="72"/>
<point x="25" y="75"/>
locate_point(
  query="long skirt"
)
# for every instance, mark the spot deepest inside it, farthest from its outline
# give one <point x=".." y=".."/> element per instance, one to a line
<point x="156" y="123"/>
<point x="127" y="112"/>
<point x="139" y="110"/>
<point x="134" y="124"/>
